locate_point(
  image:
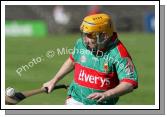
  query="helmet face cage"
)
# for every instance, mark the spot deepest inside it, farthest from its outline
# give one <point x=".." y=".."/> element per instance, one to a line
<point x="100" y="39"/>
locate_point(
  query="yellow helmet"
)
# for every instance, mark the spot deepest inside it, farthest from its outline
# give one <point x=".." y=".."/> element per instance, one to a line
<point x="97" y="23"/>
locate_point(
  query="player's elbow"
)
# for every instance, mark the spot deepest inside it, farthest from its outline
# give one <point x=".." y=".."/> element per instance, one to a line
<point x="129" y="88"/>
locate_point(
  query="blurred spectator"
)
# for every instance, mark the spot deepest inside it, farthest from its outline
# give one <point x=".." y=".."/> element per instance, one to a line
<point x="94" y="9"/>
<point x="60" y="16"/>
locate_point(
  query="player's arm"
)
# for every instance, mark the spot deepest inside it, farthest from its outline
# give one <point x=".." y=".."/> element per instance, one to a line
<point x="122" y="89"/>
<point x="67" y="67"/>
<point x="128" y="80"/>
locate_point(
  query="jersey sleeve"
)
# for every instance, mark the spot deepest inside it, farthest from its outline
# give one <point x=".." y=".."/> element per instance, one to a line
<point x="73" y="56"/>
<point x="125" y="67"/>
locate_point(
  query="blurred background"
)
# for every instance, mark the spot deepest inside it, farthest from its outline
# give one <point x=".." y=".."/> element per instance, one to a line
<point x="32" y="30"/>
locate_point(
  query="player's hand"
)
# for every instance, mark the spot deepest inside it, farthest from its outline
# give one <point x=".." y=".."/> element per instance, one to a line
<point x="49" y="85"/>
<point x="98" y="96"/>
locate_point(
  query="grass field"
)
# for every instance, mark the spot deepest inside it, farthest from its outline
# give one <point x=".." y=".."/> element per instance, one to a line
<point x="21" y="51"/>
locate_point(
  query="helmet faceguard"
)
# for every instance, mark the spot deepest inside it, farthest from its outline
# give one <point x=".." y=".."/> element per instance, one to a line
<point x="98" y="27"/>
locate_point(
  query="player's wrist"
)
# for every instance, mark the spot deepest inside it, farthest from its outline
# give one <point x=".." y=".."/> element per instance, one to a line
<point x="109" y="93"/>
<point x="55" y="80"/>
<point x="106" y="94"/>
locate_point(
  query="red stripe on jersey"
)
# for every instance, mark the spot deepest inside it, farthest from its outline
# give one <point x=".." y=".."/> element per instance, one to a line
<point x="94" y="79"/>
<point x="134" y="83"/>
<point x="71" y="57"/>
<point x="122" y="50"/>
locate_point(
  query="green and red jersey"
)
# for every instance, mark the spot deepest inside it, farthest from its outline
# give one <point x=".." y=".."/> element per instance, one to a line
<point x="100" y="72"/>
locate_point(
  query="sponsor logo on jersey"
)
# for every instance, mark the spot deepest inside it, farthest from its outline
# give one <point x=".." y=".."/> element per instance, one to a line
<point x="93" y="79"/>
